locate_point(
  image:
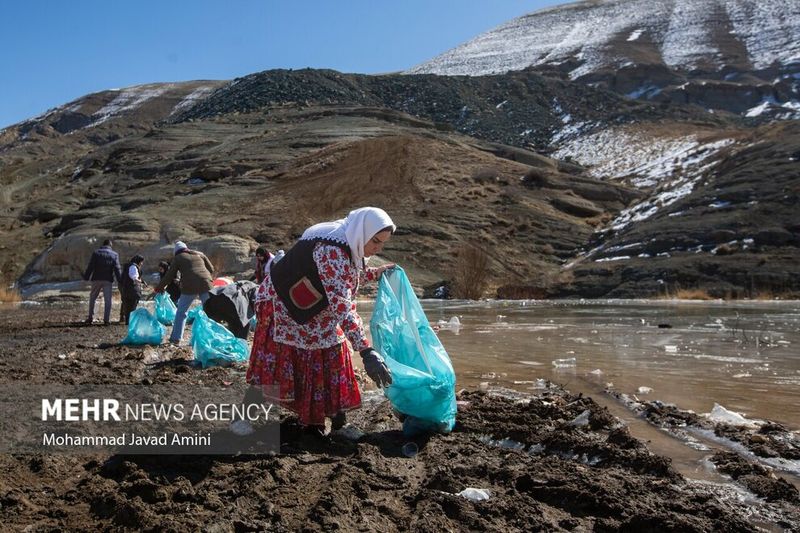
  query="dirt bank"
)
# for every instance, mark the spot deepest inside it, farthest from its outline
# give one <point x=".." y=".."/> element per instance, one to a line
<point x="550" y="462"/>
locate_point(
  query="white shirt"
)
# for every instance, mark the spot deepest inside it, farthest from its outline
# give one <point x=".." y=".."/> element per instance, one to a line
<point x="133" y="272"/>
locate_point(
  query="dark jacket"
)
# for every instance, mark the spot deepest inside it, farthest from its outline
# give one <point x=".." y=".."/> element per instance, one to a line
<point x="130" y="288"/>
<point x="173" y="288"/>
<point x="195" y="269"/>
<point x="103" y="266"/>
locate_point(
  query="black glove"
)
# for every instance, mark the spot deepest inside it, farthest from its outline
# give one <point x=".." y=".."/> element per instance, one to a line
<point x="376" y="367"/>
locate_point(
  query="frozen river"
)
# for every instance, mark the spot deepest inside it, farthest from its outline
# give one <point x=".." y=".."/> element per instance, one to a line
<point x="744" y="356"/>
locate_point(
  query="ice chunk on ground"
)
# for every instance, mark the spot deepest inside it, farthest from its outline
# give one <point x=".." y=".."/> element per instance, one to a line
<point x="582" y="419"/>
<point x="539" y="384"/>
<point x="510" y="444"/>
<point x="564" y="363"/>
<point x="454" y="324"/>
<point x="475" y="495"/>
<point x="349" y="432"/>
<point x="535" y="449"/>
<point x="720" y="414"/>
<point x="644" y="390"/>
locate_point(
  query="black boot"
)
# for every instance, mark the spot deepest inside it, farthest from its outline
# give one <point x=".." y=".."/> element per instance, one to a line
<point x="338" y="421"/>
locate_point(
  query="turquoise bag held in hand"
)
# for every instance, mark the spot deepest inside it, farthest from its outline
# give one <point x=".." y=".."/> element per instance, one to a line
<point x="423" y="380"/>
<point x="213" y="344"/>
<point x="165" y="309"/>
<point x="143" y="328"/>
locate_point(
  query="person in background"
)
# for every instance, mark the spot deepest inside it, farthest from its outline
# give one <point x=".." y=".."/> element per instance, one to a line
<point x="307" y="322"/>
<point x="174" y="287"/>
<point x="196" y="275"/>
<point x="102" y="270"/>
<point x="262" y="257"/>
<point x="130" y="287"/>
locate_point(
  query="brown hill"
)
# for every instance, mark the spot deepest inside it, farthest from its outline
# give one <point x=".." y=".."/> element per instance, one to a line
<point x="227" y="184"/>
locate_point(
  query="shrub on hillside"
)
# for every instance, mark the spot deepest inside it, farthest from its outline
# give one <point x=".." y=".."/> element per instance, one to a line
<point x="471" y="274"/>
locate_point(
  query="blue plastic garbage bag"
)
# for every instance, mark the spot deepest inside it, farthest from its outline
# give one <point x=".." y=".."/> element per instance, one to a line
<point x="192" y="313"/>
<point x="213" y="344"/>
<point x="143" y="328"/>
<point x="423" y="380"/>
<point x="165" y="309"/>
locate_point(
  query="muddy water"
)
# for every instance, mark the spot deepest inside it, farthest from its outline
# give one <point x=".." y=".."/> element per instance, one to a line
<point x="744" y="356"/>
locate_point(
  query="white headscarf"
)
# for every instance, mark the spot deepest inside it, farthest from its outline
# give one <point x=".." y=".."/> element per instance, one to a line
<point x="355" y="230"/>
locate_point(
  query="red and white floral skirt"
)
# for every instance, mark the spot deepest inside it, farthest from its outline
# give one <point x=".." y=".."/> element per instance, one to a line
<point x="314" y="384"/>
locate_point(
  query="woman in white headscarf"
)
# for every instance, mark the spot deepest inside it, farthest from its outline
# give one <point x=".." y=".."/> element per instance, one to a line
<point x="306" y="314"/>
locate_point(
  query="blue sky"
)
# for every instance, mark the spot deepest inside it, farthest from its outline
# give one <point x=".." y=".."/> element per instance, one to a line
<point x="55" y="51"/>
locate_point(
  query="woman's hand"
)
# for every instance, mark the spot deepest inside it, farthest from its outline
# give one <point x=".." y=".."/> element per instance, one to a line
<point x="376" y="368"/>
<point x="383" y="268"/>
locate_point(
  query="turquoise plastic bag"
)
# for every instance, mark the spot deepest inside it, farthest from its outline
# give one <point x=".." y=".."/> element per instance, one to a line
<point x="423" y="380"/>
<point x="213" y="344"/>
<point x="143" y="328"/>
<point x="165" y="309"/>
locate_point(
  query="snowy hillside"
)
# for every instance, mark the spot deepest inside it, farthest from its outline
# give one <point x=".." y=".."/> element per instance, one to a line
<point x="681" y="34"/>
<point x="140" y="103"/>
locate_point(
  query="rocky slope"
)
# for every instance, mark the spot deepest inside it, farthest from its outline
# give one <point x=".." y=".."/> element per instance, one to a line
<point x="738" y="55"/>
<point x="522" y="109"/>
<point x="724" y="221"/>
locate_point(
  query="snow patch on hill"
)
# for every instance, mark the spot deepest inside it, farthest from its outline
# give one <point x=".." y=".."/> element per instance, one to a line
<point x="192" y="98"/>
<point x="128" y="100"/>
<point x="786" y="110"/>
<point x="644" y="159"/>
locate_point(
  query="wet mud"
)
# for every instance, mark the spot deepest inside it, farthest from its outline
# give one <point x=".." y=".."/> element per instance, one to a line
<point x="757" y="453"/>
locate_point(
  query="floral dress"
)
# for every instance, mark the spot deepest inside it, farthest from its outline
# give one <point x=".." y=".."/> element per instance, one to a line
<point x="307" y="367"/>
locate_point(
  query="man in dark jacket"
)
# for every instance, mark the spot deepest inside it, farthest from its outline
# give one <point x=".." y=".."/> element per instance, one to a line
<point x="102" y="270"/>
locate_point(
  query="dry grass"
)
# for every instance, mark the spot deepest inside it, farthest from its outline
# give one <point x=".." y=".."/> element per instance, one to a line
<point x="783" y="293"/>
<point x="486" y="175"/>
<point x="471" y="275"/>
<point x="755" y="291"/>
<point x="9" y="295"/>
<point x="692" y="294"/>
<point x="676" y="292"/>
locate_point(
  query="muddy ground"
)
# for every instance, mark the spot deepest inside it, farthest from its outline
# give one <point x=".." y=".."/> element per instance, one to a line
<point x="761" y="444"/>
<point x="552" y="462"/>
